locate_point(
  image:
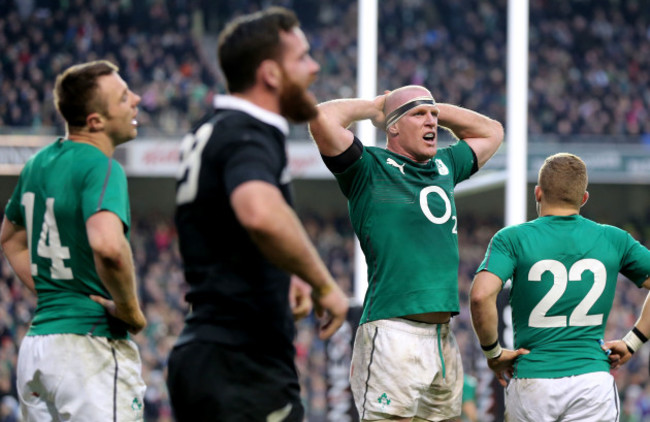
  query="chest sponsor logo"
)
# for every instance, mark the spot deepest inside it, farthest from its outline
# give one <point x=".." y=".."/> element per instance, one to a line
<point x="394" y="163"/>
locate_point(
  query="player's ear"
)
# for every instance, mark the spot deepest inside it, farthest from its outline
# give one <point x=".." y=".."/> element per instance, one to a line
<point x="538" y="193"/>
<point x="95" y="122"/>
<point x="270" y="73"/>
<point x="585" y="198"/>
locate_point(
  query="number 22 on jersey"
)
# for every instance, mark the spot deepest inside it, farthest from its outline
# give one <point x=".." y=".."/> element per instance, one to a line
<point x="561" y="277"/>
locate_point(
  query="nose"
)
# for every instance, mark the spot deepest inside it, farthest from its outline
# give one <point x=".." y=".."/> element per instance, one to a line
<point x="314" y="65"/>
<point x="136" y="98"/>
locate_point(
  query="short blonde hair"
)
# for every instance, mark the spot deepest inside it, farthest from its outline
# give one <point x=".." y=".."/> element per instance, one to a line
<point x="563" y="179"/>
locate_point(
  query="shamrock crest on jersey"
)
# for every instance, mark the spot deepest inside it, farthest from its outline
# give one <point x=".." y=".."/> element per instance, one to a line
<point x="442" y="168"/>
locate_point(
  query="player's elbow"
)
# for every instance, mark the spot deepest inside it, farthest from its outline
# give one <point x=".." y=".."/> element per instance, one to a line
<point x="479" y="295"/>
<point x="497" y="133"/>
<point x="108" y="249"/>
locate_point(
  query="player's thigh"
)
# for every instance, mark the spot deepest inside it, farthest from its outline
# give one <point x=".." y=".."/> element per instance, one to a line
<point x="392" y="362"/>
<point x="443" y="399"/>
<point x="111" y="373"/>
<point x="36" y="377"/>
<point x="208" y="381"/>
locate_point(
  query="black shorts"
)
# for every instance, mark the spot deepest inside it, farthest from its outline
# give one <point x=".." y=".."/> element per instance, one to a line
<point x="212" y="382"/>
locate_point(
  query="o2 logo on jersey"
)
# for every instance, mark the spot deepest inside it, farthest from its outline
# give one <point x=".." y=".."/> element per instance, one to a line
<point x="561" y="277"/>
<point x="424" y="205"/>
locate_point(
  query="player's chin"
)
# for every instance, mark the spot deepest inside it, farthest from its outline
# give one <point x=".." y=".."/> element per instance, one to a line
<point x="430" y="151"/>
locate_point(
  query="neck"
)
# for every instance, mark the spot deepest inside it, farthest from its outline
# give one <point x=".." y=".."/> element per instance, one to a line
<point x="261" y="97"/>
<point x="557" y="210"/>
<point x="97" y="140"/>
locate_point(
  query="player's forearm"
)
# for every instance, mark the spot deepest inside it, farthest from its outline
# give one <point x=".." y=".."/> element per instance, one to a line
<point x="465" y="123"/>
<point x="483" y="134"/>
<point x="344" y="112"/>
<point x="483" y="307"/>
<point x="13" y="244"/>
<point x="117" y="273"/>
<point x="485" y="321"/>
<point x="21" y="264"/>
<point x="330" y="128"/>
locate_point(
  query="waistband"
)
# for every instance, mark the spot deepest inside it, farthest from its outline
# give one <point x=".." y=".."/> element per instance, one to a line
<point x="412" y="327"/>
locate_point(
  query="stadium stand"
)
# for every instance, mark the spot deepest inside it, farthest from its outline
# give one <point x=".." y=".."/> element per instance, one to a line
<point x="589" y="65"/>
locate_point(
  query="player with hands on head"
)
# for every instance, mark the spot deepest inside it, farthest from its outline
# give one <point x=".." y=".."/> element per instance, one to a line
<point x="240" y="239"/>
<point x="406" y="364"/>
<point x="564" y="270"/>
<point x="65" y="234"/>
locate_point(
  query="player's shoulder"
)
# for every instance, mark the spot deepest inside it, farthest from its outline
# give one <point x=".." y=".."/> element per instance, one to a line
<point x="227" y="125"/>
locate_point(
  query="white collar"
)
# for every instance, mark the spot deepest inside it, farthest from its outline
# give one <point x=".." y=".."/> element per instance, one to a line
<point x="268" y="117"/>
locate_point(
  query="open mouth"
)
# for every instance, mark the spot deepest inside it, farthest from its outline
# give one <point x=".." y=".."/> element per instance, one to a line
<point x="429" y="136"/>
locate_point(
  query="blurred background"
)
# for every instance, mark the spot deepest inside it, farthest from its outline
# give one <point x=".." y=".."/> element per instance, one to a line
<point x="588" y="93"/>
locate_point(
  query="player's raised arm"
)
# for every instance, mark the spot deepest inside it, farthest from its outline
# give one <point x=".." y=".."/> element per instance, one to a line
<point x="484" y="135"/>
<point x="330" y="128"/>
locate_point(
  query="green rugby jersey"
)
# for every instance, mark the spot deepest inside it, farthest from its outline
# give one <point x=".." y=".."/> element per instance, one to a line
<point x="59" y="188"/>
<point x="404" y="215"/>
<point x="564" y="271"/>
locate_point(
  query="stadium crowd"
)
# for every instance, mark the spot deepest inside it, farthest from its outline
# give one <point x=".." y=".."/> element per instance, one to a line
<point x="162" y="289"/>
<point x="589" y="61"/>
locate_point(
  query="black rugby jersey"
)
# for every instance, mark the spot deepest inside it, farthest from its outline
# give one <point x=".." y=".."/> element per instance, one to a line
<point x="238" y="297"/>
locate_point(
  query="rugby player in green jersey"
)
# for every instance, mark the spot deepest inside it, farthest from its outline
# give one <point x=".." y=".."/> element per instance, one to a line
<point x="406" y="364"/>
<point x="564" y="269"/>
<point x="65" y="234"/>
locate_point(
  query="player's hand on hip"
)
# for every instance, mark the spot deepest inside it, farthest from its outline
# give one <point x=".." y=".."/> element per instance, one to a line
<point x="503" y="366"/>
<point x="131" y="315"/>
<point x="619" y="355"/>
<point x="331" y="306"/>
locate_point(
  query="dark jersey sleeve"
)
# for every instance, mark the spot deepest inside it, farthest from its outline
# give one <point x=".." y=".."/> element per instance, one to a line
<point x="252" y="157"/>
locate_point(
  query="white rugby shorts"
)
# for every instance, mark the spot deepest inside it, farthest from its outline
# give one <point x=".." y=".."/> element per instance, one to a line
<point x="588" y="397"/>
<point x="408" y="369"/>
<point x="79" y="378"/>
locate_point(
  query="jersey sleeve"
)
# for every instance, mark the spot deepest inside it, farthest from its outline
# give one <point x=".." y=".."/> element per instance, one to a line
<point x="636" y="261"/>
<point x="463" y="160"/>
<point x="355" y="176"/>
<point x="500" y="258"/>
<point x="250" y="158"/>
<point x="105" y="189"/>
